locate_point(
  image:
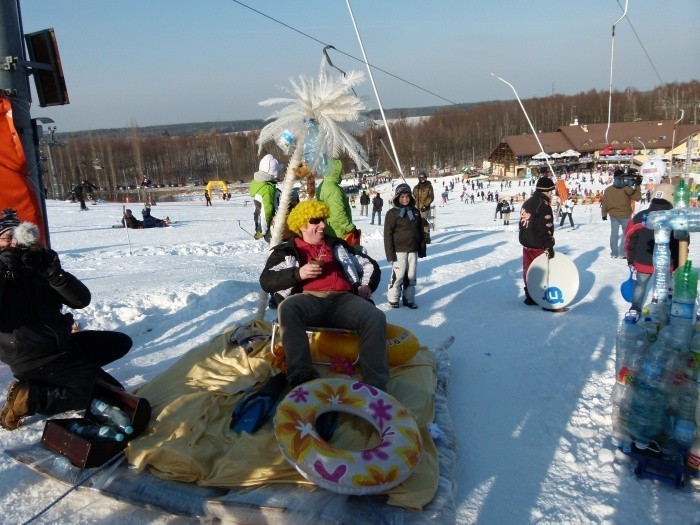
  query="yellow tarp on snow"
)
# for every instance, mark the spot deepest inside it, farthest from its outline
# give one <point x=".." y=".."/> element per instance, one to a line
<point x="189" y="437"/>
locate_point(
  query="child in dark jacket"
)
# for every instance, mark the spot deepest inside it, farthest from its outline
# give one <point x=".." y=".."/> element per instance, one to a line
<point x="639" y="243"/>
<point x="404" y="243"/>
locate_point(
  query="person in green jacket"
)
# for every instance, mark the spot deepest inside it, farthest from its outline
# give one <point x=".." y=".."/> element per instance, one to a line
<point x="262" y="190"/>
<point x="339" y="223"/>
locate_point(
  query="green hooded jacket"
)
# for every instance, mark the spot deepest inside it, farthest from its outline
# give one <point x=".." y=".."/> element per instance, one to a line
<point x="339" y="224"/>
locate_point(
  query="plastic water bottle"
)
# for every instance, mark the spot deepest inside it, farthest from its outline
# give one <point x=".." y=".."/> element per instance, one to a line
<point x="99" y="432"/>
<point x="111" y="415"/>
<point x="685" y="291"/>
<point x="650" y="393"/>
<point x="681" y="195"/>
<point x="286" y="142"/>
<point x="310" y="143"/>
<point x="692" y="365"/>
<point x="658" y="313"/>
<point x="684" y="411"/>
<point x="649" y="326"/>
<point x="631" y="337"/>
<point x="64" y="470"/>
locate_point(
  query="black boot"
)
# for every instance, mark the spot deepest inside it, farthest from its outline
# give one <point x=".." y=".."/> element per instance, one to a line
<point x="528" y="300"/>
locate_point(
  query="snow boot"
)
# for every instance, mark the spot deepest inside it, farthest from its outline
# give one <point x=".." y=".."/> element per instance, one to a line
<point x="17" y="406"/>
<point x="528" y="300"/>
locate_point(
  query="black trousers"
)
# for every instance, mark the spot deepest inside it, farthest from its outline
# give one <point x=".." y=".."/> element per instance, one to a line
<point x="65" y="383"/>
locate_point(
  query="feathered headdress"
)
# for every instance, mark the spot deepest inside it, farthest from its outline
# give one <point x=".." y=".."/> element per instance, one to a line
<point x="334" y="107"/>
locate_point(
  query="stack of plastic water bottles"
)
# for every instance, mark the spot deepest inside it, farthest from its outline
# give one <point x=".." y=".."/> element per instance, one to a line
<point x="115" y="423"/>
<point x="655" y="397"/>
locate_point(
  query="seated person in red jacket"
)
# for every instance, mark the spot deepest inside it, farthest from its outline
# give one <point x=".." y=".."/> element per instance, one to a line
<point x="639" y="243"/>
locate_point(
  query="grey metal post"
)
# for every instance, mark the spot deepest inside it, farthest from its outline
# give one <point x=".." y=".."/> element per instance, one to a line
<point x="14" y="83"/>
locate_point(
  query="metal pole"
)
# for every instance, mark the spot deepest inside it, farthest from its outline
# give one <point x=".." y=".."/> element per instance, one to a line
<point x="537" y="138"/>
<point x="376" y="94"/>
<point x="612" y="54"/>
<point x="14" y="83"/>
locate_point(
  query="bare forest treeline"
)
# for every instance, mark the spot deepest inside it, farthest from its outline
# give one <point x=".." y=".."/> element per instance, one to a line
<point x="453" y="136"/>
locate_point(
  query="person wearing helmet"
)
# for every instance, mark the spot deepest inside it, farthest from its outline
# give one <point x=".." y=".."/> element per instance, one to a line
<point x="639" y="243"/>
<point x="262" y="190"/>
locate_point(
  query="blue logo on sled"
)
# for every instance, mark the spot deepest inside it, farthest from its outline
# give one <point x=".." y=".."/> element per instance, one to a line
<point x="553" y="295"/>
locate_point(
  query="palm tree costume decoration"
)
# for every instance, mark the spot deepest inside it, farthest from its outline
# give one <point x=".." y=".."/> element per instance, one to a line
<point x="316" y="124"/>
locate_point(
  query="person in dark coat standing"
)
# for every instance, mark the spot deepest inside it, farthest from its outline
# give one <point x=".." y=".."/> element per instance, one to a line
<point x="404" y="243"/>
<point x="377" y="205"/>
<point x="617" y="202"/>
<point x="639" y="243"/>
<point x="537" y="227"/>
<point x="364" y="203"/>
<point x="424" y="196"/>
<point x="55" y="367"/>
<point x="79" y="192"/>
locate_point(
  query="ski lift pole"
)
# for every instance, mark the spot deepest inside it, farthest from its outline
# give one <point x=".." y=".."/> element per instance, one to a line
<point x="537" y="138"/>
<point x="126" y="227"/>
<point x="242" y="228"/>
<point x="612" y="54"/>
<point x="374" y="87"/>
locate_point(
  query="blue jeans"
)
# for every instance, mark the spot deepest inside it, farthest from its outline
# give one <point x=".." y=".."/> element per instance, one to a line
<point x="617" y="242"/>
<point x="378" y="213"/>
<point x="640" y="290"/>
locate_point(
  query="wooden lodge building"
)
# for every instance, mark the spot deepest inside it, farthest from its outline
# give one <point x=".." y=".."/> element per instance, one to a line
<point x="583" y="147"/>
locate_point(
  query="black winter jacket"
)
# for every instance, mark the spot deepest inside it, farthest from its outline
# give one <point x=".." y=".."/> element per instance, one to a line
<point x="537" y="222"/>
<point x="33" y="328"/>
<point x="281" y="273"/>
<point x="639" y="240"/>
<point x="402" y="234"/>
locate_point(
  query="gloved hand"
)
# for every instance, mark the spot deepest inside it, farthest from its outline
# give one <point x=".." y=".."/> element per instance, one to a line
<point x="422" y="250"/>
<point x="605" y="218"/>
<point x="44" y="262"/>
<point x="550" y="253"/>
<point x="11" y="259"/>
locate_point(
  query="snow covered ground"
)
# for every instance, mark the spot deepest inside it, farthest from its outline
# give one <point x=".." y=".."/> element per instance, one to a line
<point x="529" y="390"/>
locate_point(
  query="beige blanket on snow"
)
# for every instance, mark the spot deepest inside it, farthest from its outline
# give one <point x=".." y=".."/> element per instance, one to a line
<point x="189" y="437"/>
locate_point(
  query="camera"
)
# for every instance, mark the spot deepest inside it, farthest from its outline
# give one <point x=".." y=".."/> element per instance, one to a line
<point x="627" y="177"/>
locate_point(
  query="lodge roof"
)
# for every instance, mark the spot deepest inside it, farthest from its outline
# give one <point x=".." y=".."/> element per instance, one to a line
<point x="589" y="138"/>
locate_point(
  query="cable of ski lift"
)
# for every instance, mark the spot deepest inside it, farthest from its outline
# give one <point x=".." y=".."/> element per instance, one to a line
<point x="612" y="54"/>
<point x="376" y="93"/>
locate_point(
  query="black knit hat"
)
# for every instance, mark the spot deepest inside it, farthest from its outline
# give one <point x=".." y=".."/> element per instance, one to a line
<point x="403" y="189"/>
<point x="9" y="220"/>
<point x="544" y="184"/>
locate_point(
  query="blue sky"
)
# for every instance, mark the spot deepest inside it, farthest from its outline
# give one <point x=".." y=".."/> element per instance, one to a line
<point x="172" y="61"/>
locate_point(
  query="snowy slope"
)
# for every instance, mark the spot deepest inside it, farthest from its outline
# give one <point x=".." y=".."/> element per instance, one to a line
<point x="529" y="390"/>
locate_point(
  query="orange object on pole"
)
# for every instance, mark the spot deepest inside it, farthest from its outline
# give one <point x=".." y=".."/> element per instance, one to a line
<point x="17" y="191"/>
<point x="562" y="190"/>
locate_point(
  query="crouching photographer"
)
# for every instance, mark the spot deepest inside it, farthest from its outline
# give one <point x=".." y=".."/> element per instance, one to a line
<point x="617" y="203"/>
<point x="55" y="367"/>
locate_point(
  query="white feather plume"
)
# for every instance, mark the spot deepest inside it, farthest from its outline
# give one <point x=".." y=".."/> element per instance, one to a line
<point x="334" y="106"/>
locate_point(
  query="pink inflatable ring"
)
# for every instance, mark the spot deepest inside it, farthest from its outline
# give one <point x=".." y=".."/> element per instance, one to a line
<point x="368" y="471"/>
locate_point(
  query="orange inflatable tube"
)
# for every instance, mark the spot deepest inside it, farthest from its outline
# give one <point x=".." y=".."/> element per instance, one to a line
<point x="401" y="344"/>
